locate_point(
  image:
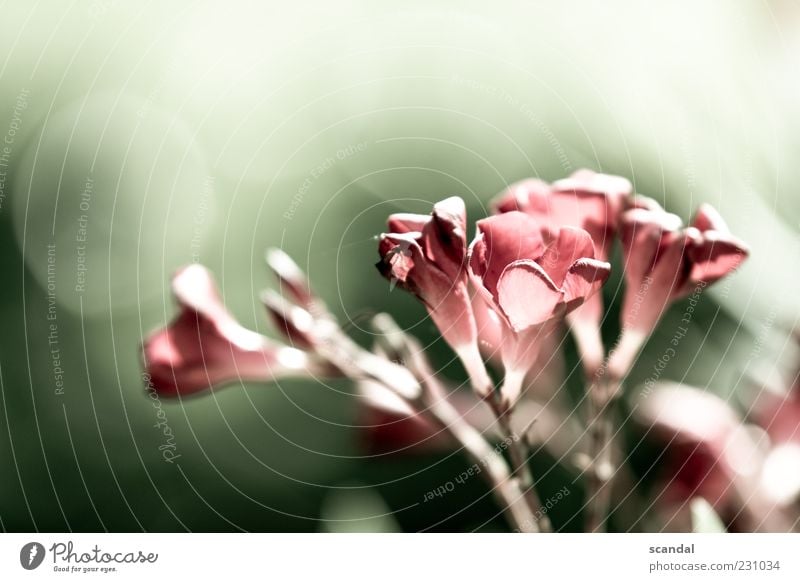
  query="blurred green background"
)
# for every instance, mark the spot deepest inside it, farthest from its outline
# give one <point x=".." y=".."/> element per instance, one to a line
<point x="140" y="136"/>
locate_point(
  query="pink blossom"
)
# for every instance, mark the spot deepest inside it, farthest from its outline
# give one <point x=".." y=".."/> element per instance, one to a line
<point x="665" y="261"/>
<point x="205" y="346"/>
<point x="426" y="256"/>
<point x="587" y="200"/>
<point x="530" y="282"/>
<point x="708" y="452"/>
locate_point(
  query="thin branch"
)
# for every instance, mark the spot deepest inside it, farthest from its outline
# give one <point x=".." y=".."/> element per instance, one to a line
<point x="603" y="392"/>
<point x="519" y="461"/>
<point x="600" y="425"/>
<point x="506" y="488"/>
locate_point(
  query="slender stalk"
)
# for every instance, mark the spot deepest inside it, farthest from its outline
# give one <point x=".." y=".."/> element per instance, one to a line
<point x="506" y="488"/>
<point x="601" y="471"/>
<point x="603" y="392"/>
<point x="517" y="452"/>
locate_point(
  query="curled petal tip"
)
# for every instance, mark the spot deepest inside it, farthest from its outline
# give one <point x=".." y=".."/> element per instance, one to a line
<point x="519" y="196"/>
<point x="643" y="203"/>
<point x="584" y="279"/>
<point x="643" y="217"/>
<point x="403" y="222"/>
<point x="708" y="218"/>
<point x="715" y="256"/>
<point x="452" y="210"/>
<point x="591" y="182"/>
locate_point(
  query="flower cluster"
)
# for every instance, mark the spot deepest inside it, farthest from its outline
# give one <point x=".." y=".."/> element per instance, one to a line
<point x="541" y="260"/>
<point x="533" y="267"/>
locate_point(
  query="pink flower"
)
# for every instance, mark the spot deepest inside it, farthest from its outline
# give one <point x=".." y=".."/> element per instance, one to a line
<point x="779" y="416"/>
<point x="665" y="261"/>
<point x="426" y="256"/>
<point x="586" y="200"/>
<point x="205" y="346"/>
<point x="530" y="281"/>
<point x="709" y="452"/>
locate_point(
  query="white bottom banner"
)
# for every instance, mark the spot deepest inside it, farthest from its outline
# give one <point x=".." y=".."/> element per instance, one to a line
<point x="398" y="557"/>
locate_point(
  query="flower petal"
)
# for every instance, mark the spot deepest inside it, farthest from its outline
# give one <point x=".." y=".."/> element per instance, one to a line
<point x="447" y="300"/>
<point x="714" y="256"/>
<point x="569" y="245"/>
<point x="521" y="195"/>
<point x="399" y="254"/>
<point x="587" y="200"/>
<point x="641" y="235"/>
<point x="586" y="181"/>
<point x="505" y="238"/>
<point x="527" y="295"/>
<point x="205" y="347"/>
<point x="707" y="218"/>
<point x="405" y="222"/>
<point x="584" y="279"/>
<point x="444" y="237"/>
<point x="647" y="298"/>
<point x="490" y="328"/>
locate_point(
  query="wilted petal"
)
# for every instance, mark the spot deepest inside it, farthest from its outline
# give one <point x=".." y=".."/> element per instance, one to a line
<point x="445" y="236"/>
<point x="399" y="254"/>
<point x="205" y="347"/>
<point x="442" y="235"/>
<point x="430" y="263"/>
<point x="447" y="300"/>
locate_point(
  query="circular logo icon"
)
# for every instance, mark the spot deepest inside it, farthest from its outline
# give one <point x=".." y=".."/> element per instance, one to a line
<point x="31" y="555"/>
